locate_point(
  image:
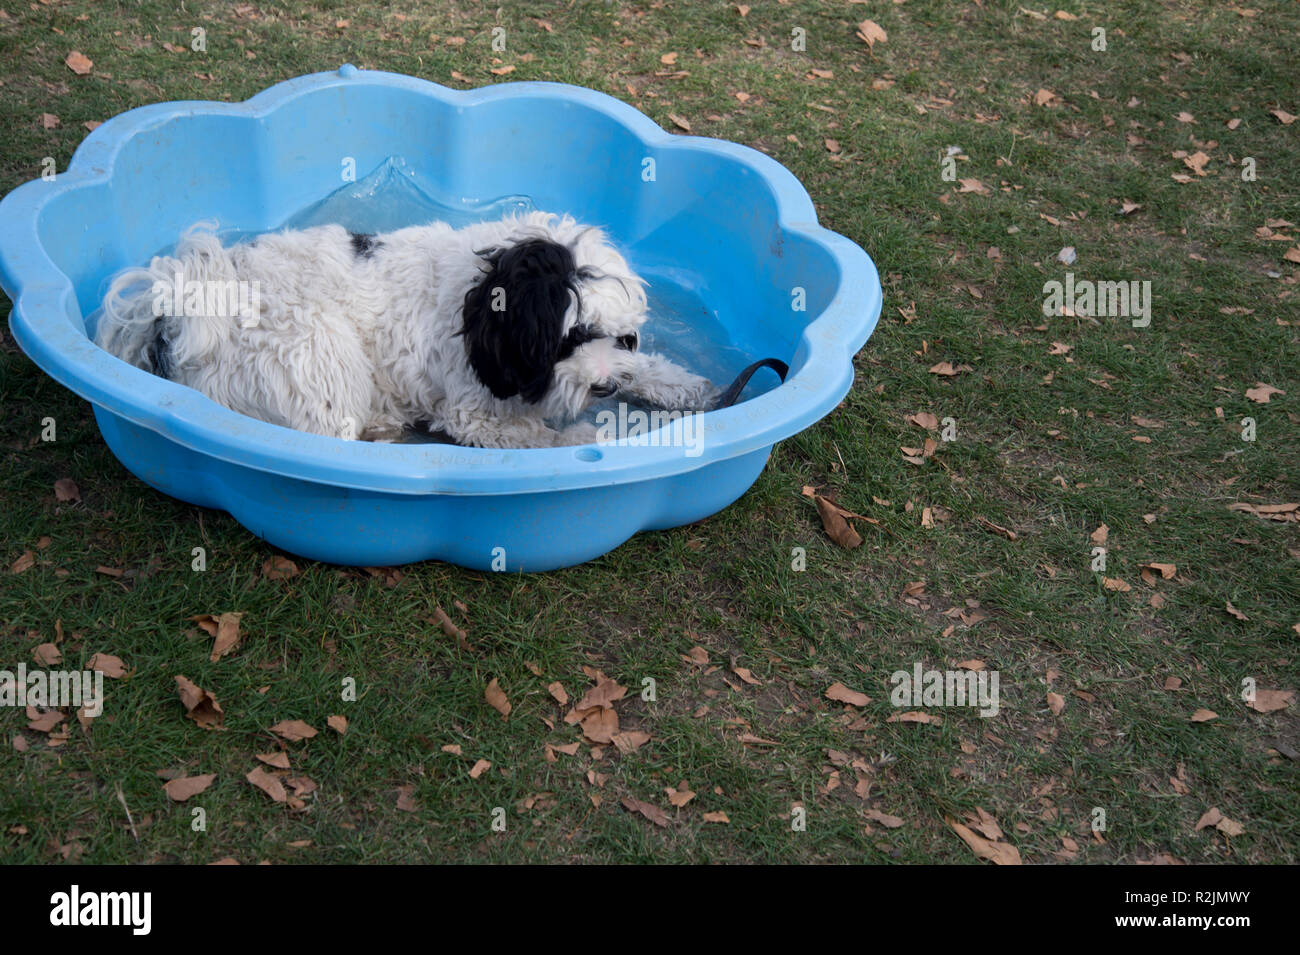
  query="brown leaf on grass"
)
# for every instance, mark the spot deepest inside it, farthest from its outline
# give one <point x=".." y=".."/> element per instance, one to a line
<point x="1173" y="683"/>
<point x="556" y="690"/>
<point x="916" y="716"/>
<point x="630" y="741"/>
<point x="698" y="656"/>
<point x="44" y="721"/>
<point x="999" y="853"/>
<point x="946" y="369"/>
<point x="79" y="63"/>
<point x="1292" y="254"/>
<point x="716" y="817"/>
<point x="279" y="568"/>
<point x="996" y="528"/>
<point x="1045" y="97"/>
<point x="1211" y="817"/>
<point x="870" y="32"/>
<point x="1282" y="116"/>
<point x="49" y="121"/>
<point x="679" y="797"/>
<point x="680" y="122"/>
<point x="502" y="70"/>
<point x="107" y="664"/>
<point x="1185" y="117"/>
<point x="832" y="145"/>
<point x="604" y="694"/>
<point x="48" y="655"/>
<point x="450" y="629"/>
<point x="1056" y="702"/>
<point x="496" y="698"/>
<point x="886" y="820"/>
<point x="338" y="724"/>
<point x="279" y="760"/>
<point x="24" y="562"/>
<point x="744" y="674"/>
<point x="225" y="628"/>
<point x="480" y="767"/>
<point x="182" y="788"/>
<point x="293" y="730"/>
<point x="600" y="725"/>
<point x="923" y="419"/>
<point x="973" y="185"/>
<point x="1270" y="701"/>
<point x="406" y="798"/>
<point x="837" y="528"/>
<point x="1261" y="393"/>
<point x="668" y="59"/>
<point x="1204" y="716"/>
<point x="453" y="748"/>
<point x="268" y="783"/>
<point x="1196" y="162"/>
<point x="1166" y="571"/>
<point x="1099" y="535"/>
<point x="1115" y="584"/>
<point x="65" y="489"/>
<point x="842" y="694"/>
<point x="20" y="743"/>
<point x="1233" y="611"/>
<point x="650" y="811"/>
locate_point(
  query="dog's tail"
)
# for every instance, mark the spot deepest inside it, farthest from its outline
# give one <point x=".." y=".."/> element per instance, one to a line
<point x="155" y="318"/>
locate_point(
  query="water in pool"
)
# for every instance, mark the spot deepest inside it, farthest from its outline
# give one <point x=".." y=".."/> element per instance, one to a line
<point x="681" y="326"/>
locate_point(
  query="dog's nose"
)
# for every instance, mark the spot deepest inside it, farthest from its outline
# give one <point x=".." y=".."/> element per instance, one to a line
<point x="604" y="389"/>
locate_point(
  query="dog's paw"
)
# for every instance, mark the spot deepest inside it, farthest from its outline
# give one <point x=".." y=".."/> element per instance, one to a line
<point x="581" y="432"/>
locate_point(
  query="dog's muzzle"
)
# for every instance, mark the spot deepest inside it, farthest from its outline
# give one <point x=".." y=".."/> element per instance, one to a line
<point x="604" y="389"/>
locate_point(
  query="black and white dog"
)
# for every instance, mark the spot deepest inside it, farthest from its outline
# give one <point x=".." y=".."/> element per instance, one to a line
<point x="487" y="332"/>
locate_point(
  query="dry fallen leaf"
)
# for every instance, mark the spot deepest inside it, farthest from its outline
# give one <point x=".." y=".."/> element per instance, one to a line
<point x="1045" y="97"/>
<point x="79" y="63"/>
<point x="1227" y="605"/>
<point x="1261" y="393"/>
<point x="1270" y="701"/>
<point x="604" y="694"/>
<point x="651" y="812"/>
<point x="999" y="853"/>
<point x="1056" y="702"/>
<point x="842" y="694"/>
<point x="1283" y="117"/>
<point x="1204" y="716"/>
<point x="630" y="741"/>
<point x="25" y="562"/>
<point x="679" y="797"/>
<point x="107" y="664"/>
<point x="279" y="568"/>
<point x="65" y="489"/>
<point x="496" y="698"/>
<point x="268" y="783"/>
<point x="480" y="767"/>
<point x="278" y="760"/>
<point x="183" y="787"/>
<point x="48" y="655"/>
<point x="338" y="724"/>
<point x="600" y="725"/>
<point x="837" y="528"/>
<point x="886" y="820"/>
<point x="871" y="33"/>
<point x="225" y="628"/>
<point x="293" y="730"/>
<point x="406" y="798"/>
<point x="716" y="817"/>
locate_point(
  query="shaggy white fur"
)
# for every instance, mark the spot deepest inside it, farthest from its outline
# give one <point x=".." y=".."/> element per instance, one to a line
<point x="352" y="336"/>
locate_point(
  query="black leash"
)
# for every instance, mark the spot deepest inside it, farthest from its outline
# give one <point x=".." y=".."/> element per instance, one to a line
<point x="732" y="394"/>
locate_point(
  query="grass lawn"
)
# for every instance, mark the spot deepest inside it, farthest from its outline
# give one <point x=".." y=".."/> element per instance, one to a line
<point x="984" y="551"/>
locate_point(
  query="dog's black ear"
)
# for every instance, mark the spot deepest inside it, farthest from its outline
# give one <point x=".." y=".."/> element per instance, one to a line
<point x="514" y="317"/>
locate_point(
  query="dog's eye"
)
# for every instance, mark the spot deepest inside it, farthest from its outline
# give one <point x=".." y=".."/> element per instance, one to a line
<point x="627" y="342"/>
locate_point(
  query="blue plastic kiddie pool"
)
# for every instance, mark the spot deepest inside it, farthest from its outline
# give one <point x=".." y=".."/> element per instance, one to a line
<point x="723" y="232"/>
